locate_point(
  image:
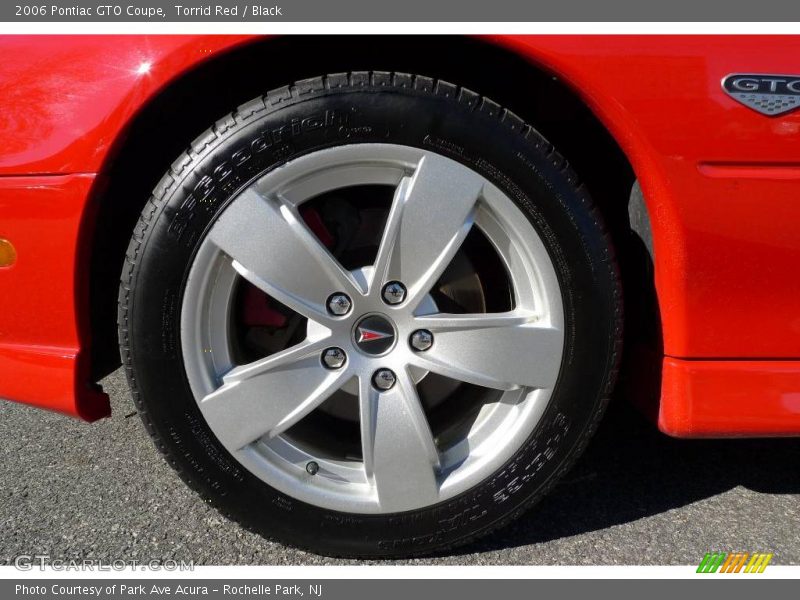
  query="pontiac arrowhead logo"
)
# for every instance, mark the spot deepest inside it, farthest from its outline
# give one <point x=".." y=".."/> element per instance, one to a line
<point x="368" y="335"/>
<point x="768" y="94"/>
<point x="374" y="335"/>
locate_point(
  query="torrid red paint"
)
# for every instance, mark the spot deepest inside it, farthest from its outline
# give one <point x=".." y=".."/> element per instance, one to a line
<point x="720" y="183"/>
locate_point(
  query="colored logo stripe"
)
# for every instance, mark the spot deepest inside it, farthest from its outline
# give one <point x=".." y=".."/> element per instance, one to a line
<point x="711" y="562"/>
<point x="734" y="562"/>
<point x="758" y="563"/>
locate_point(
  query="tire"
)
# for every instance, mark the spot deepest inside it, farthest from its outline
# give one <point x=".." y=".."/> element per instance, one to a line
<point x="339" y="113"/>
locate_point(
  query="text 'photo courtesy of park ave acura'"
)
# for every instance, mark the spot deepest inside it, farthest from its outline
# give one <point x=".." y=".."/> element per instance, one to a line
<point x="395" y="297"/>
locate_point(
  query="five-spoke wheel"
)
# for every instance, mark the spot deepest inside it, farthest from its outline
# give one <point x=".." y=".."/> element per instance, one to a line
<point x="370" y="314"/>
<point x="374" y="329"/>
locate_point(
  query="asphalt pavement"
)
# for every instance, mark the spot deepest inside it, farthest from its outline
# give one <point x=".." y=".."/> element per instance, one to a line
<point x="74" y="490"/>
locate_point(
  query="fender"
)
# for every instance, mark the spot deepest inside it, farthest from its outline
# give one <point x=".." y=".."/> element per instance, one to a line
<point x="65" y="101"/>
<point x="74" y="95"/>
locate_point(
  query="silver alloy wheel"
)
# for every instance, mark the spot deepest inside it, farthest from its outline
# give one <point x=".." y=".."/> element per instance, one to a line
<point x="262" y="238"/>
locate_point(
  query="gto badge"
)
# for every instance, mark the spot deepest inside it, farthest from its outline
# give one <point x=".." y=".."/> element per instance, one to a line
<point x="768" y="94"/>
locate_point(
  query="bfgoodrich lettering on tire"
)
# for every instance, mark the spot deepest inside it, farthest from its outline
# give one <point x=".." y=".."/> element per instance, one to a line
<point x="370" y="314"/>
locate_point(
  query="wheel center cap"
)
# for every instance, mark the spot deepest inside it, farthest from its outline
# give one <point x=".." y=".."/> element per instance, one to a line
<point x="374" y="335"/>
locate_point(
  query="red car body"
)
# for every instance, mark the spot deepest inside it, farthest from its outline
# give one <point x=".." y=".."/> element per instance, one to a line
<point x="721" y="184"/>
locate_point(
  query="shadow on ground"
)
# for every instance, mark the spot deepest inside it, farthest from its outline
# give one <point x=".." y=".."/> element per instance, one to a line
<point x="631" y="471"/>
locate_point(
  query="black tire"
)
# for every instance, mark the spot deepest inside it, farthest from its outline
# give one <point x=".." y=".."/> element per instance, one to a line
<point x="351" y="108"/>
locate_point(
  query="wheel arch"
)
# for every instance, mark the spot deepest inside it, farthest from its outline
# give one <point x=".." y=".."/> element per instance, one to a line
<point x="540" y="91"/>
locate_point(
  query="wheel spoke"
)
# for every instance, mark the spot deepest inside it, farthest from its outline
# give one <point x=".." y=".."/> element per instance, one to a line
<point x="500" y="351"/>
<point x="270" y="395"/>
<point x="431" y="214"/>
<point x="273" y="249"/>
<point x="400" y="456"/>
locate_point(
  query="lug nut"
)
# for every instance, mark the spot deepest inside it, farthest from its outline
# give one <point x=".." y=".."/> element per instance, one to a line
<point x="394" y="292"/>
<point x="383" y="379"/>
<point x="421" y="340"/>
<point x="312" y="468"/>
<point x="334" y="358"/>
<point x="339" y="304"/>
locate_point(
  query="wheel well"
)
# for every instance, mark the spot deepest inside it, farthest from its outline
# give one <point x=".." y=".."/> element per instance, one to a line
<point x="180" y="112"/>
